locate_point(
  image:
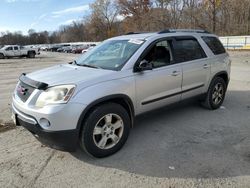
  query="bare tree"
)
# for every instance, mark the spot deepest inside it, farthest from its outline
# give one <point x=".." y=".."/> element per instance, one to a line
<point x="223" y="17"/>
<point x="136" y="13"/>
<point x="105" y="11"/>
<point x="212" y="6"/>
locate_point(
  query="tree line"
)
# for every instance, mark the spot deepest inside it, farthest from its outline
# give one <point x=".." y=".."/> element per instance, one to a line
<point x="109" y="18"/>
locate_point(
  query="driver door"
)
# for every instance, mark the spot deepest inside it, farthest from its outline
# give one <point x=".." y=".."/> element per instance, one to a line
<point x="9" y="51"/>
<point x="161" y="85"/>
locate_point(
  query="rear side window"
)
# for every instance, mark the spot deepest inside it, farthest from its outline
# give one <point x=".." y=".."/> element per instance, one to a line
<point x="15" y="48"/>
<point x="215" y="45"/>
<point x="187" y="50"/>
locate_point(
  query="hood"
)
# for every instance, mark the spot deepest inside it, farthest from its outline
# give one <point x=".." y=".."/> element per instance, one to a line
<point x="69" y="74"/>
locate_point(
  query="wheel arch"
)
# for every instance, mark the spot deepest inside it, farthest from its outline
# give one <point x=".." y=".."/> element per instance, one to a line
<point x="205" y="99"/>
<point x="31" y="51"/>
<point x="121" y="99"/>
<point x="223" y="75"/>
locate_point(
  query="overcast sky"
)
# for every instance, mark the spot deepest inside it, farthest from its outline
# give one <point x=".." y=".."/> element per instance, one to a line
<point x="22" y="15"/>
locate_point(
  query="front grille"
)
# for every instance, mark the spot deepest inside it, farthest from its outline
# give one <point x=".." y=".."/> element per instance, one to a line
<point x="24" y="91"/>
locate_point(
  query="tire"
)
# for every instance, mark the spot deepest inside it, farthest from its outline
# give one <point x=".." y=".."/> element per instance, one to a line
<point x="1" y="56"/>
<point x="216" y="94"/>
<point x="111" y="123"/>
<point x="31" y="55"/>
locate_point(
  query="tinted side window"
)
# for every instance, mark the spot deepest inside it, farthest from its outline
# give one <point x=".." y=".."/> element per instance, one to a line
<point x="214" y="44"/>
<point x="159" y="54"/>
<point x="9" y="48"/>
<point x="188" y="50"/>
<point x="15" y="48"/>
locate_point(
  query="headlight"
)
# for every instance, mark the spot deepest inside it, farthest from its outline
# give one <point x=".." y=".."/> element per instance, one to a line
<point x="55" y="95"/>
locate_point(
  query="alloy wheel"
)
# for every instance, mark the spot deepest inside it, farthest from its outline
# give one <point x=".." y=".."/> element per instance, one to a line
<point x="108" y="131"/>
<point x="218" y="93"/>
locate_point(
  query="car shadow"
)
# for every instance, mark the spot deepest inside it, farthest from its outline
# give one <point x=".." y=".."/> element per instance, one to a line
<point x="187" y="141"/>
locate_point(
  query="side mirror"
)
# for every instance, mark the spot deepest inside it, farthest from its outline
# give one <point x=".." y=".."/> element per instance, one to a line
<point x="144" y="65"/>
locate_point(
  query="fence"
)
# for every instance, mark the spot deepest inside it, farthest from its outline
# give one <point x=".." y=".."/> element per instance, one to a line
<point x="236" y="42"/>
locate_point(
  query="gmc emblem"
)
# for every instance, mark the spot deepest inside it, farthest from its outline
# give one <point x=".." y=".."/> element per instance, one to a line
<point x="22" y="90"/>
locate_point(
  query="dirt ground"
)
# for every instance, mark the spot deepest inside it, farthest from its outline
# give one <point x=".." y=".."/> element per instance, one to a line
<point x="180" y="146"/>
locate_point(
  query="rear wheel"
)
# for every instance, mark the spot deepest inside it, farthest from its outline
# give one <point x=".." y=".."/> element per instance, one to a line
<point x="216" y="94"/>
<point x="105" y="130"/>
<point x="31" y="55"/>
<point x="1" y="56"/>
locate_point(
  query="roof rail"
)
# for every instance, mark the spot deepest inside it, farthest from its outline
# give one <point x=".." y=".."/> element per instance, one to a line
<point x="132" y="33"/>
<point x="183" y="30"/>
<point x="165" y="31"/>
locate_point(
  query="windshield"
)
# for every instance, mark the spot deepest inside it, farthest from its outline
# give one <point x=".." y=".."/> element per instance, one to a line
<point x="4" y="47"/>
<point x="111" y="54"/>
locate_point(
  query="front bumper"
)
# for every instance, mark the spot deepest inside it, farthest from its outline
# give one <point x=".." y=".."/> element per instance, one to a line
<point x="62" y="133"/>
<point x="61" y="116"/>
<point x="62" y="140"/>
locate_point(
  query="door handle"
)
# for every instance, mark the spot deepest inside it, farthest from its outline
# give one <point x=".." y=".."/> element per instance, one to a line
<point x="205" y="66"/>
<point x="175" y="73"/>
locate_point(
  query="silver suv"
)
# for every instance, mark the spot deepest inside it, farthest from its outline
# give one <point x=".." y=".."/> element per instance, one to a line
<point x="93" y="100"/>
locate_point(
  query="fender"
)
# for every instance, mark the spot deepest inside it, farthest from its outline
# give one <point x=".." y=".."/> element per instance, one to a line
<point x="104" y="99"/>
<point x="219" y="73"/>
<point x="216" y="75"/>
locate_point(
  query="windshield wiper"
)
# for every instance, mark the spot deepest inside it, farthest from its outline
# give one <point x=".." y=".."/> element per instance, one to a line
<point x="87" y="65"/>
<point x="73" y="62"/>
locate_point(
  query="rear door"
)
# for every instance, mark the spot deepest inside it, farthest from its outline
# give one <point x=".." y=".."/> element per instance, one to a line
<point x="194" y="63"/>
<point x="17" y="51"/>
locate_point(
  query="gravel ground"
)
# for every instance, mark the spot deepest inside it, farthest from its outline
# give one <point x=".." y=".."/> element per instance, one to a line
<point x="180" y="146"/>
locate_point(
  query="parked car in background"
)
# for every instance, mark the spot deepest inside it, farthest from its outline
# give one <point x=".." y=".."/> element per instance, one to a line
<point x="79" y="49"/>
<point x="55" y="47"/>
<point x="44" y="48"/>
<point x="18" y="51"/>
<point x="87" y="49"/>
<point x="93" y="100"/>
<point x="61" y="49"/>
<point x="65" y="49"/>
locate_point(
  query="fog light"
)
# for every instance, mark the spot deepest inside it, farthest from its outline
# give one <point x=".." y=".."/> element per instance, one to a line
<point x="44" y="122"/>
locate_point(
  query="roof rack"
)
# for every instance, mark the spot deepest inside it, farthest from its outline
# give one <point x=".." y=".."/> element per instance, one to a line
<point x="183" y="30"/>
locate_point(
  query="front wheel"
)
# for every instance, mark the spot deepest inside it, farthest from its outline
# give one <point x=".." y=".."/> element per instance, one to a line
<point x="105" y="130"/>
<point x="216" y="94"/>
